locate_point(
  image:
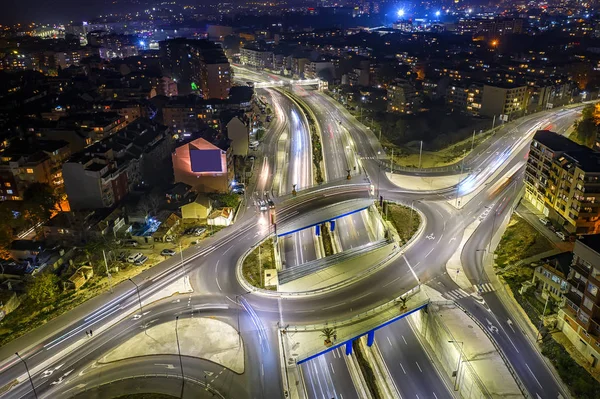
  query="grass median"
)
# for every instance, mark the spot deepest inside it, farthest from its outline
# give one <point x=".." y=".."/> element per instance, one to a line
<point x="261" y="258"/>
<point x="404" y="219"/>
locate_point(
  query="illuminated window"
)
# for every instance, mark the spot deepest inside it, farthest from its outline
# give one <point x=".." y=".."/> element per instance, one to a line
<point x="30" y="171"/>
<point x="7" y="184"/>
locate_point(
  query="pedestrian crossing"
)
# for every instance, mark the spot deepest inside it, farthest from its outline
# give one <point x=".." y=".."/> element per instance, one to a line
<point x="369" y="158"/>
<point x="459" y="293"/>
<point x="485" y="287"/>
<point x="456" y="294"/>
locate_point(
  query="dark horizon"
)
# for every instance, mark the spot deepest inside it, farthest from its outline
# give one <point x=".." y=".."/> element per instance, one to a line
<point x="56" y="11"/>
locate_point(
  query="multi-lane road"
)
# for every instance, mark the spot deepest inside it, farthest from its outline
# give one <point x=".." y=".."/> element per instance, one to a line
<point x="60" y="356"/>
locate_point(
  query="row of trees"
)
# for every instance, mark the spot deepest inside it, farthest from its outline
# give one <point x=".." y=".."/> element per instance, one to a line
<point x="587" y="128"/>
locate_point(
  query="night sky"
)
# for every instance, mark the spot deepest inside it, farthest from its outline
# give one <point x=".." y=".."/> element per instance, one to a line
<point x="14" y="11"/>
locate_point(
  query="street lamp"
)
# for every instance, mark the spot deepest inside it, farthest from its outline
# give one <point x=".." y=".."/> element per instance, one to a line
<point x="28" y="374"/>
<point x="179" y="352"/>
<point x="140" y="301"/>
<point x="459" y="362"/>
<point x="412" y="208"/>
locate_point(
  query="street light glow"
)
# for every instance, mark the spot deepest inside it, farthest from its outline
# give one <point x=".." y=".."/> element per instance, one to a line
<point x="401" y="13"/>
<point x="437" y="13"/>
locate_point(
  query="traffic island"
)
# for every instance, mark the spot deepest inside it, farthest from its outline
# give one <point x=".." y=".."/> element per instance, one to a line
<point x="256" y="262"/>
<point x="200" y="337"/>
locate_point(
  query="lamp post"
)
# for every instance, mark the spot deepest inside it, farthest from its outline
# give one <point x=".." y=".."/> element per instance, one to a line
<point x="28" y="374"/>
<point x="459" y="362"/>
<point x="140" y="301"/>
<point x="412" y="208"/>
<point x="179" y="352"/>
<point x="539" y="333"/>
<point x="181" y="253"/>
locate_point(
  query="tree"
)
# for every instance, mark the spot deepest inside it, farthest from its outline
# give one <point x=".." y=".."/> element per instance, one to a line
<point x="40" y="202"/>
<point x="587" y="128"/>
<point x="43" y="288"/>
<point x="328" y="333"/>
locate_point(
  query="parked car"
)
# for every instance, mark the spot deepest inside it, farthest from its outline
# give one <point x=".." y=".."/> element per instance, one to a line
<point x="122" y="256"/>
<point x="167" y="252"/>
<point x="131" y="243"/>
<point x="141" y="260"/>
<point x="134" y="257"/>
<point x="544" y="221"/>
<point x="169" y="238"/>
<point x="199" y="231"/>
<point x="561" y="235"/>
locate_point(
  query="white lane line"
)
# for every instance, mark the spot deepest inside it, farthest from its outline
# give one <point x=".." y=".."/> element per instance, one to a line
<point x="391" y="282"/>
<point x="360" y="297"/>
<point x="218" y="285"/>
<point x="429" y="253"/>
<point x="332" y="370"/>
<point x="536" y="380"/>
<point x="402" y="367"/>
<point x="411" y="269"/>
<point x="404" y="339"/>
<point x="419" y="367"/>
<point x="435" y="395"/>
<point x="388" y="338"/>
<point x="334" y="306"/>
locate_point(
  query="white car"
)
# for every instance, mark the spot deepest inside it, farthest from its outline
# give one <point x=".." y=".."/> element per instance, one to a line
<point x="134" y="257"/>
<point x="141" y="261"/>
<point x="544" y="221"/>
<point x="561" y="235"/>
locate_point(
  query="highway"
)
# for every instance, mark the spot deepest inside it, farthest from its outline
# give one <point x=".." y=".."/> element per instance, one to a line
<point x="211" y="266"/>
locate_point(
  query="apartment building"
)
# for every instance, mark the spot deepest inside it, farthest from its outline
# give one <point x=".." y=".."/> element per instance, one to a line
<point x="102" y="174"/>
<point x="579" y="319"/>
<point x="25" y="163"/>
<point x="490" y="26"/>
<point x="256" y="57"/>
<point x="314" y="69"/>
<point x="402" y="97"/>
<point x="562" y="180"/>
<point x="465" y="98"/>
<point x="503" y="102"/>
<point x="198" y="65"/>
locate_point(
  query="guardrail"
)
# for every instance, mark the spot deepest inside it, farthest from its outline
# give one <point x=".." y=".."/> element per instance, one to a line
<point x="363" y="315"/>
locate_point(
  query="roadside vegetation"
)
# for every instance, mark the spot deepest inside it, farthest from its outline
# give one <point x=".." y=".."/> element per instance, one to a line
<point x="519" y="242"/>
<point x="366" y="370"/>
<point x="579" y="381"/>
<point x="327" y="239"/>
<point x="253" y="266"/>
<point x="586" y="128"/>
<point x="405" y="221"/>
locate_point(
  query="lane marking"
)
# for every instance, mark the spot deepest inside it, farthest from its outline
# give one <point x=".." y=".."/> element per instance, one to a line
<point x="419" y="367"/>
<point x="536" y="380"/>
<point x="404" y="339"/>
<point x="401" y="366"/>
<point x="388" y="338"/>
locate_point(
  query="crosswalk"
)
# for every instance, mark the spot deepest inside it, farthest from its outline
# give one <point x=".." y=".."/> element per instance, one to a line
<point x="459" y="293"/>
<point x="369" y="158"/>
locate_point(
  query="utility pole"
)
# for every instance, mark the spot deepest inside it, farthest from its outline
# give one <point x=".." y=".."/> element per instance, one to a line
<point x="28" y="374"/>
<point x="141" y="308"/>
<point x="107" y="272"/>
<point x="473" y="141"/>
<point x="179" y="352"/>
<point x="392" y="162"/>
<point x="539" y="334"/>
<point x="493" y="122"/>
<point x="259" y="266"/>
<point x="181" y="253"/>
<point x="420" y="154"/>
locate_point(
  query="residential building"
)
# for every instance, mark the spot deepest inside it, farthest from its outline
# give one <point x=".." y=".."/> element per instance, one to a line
<point x="548" y="96"/>
<point x="562" y="180"/>
<point x="402" y="97"/>
<point x="197" y="64"/>
<point x="24" y="163"/>
<point x="102" y="174"/>
<point x="465" y="98"/>
<point x="316" y="69"/>
<point x="187" y="114"/>
<point x="239" y="134"/>
<point x="256" y="57"/>
<point x="199" y="208"/>
<point x="221" y="217"/>
<point x="503" y="102"/>
<point x="204" y="166"/>
<point x="550" y="278"/>
<point x="579" y="319"/>
<point x="490" y="27"/>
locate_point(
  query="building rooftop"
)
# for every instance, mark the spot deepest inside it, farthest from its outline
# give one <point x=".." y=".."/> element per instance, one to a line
<point x="586" y="158"/>
<point x="591" y="241"/>
<point x="561" y="262"/>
